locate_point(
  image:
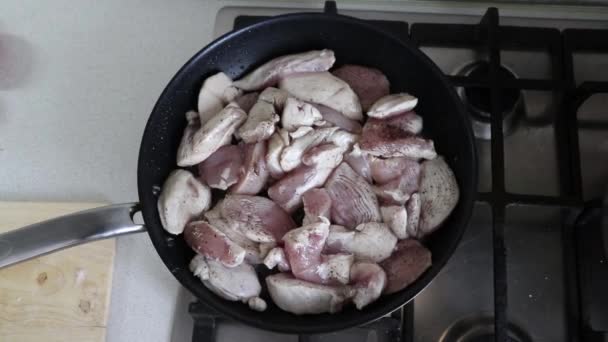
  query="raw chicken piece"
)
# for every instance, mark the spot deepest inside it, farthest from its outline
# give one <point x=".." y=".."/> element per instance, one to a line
<point x="326" y="89"/>
<point x="368" y="280"/>
<point x="302" y="297"/>
<point x="300" y="132"/>
<point x="270" y="72"/>
<point x="398" y="190"/>
<point x="234" y="232"/>
<point x="316" y="203"/>
<point x="325" y="154"/>
<point x="277" y="257"/>
<point x="370" y="241"/>
<point x="183" y="199"/>
<point x="210" y="242"/>
<point x="407" y="263"/>
<point x="217" y="91"/>
<point x="395" y="137"/>
<point x="221" y="169"/>
<point x="343" y="139"/>
<point x="360" y="162"/>
<point x="276" y="144"/>
<point x="291" y="157"/>
<point x="253" y="174"/>
<point x="258" y="218"/>
<point x="386" y="170"/>
<point x="303" y="247"/>
<point x="413" y="208"/>
<point x="395" y="217"/>
<point x="288" y="191"/>
<point x="438" y="194"/>
<point x="298" y="113"/>
<point x="260" y="123"/>
<point x="246" y="101"/>
<point x="369" y="84"/>
<point x="238" y="283"/>
<point x="353" y="200"/>
<point x="336" y="268"/>
<point x="275" y="97"/>
<point x="335" y="118"/>
<point x="392" y="105"/>
<point x="198" y="146"/>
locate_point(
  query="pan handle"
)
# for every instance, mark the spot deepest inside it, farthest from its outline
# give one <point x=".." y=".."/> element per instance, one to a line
<point x="67" y="231"/>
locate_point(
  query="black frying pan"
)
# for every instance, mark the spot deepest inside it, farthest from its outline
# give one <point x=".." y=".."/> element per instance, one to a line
<point x="239" y="52"/>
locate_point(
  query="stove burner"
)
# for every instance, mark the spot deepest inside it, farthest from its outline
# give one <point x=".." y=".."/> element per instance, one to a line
<point x="480" y="328"/>
<point x="478" y="102"/>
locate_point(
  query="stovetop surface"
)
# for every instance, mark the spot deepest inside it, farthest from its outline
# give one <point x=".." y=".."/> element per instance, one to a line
<point x="526" y="269"/>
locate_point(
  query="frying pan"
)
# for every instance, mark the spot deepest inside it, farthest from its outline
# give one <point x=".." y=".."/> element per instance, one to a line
<point x="353" y="41"/>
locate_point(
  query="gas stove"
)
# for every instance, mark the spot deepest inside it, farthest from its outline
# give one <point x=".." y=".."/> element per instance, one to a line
<point x="531" y="266"/>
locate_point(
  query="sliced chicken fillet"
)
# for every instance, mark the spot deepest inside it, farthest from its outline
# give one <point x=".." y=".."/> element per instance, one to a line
<point x="246" y="101"/>
<point x="386" y="170"/>
<point x="369" y="84"/>
<point x="253" y="173"/>
<point x="369" y="280"/>
<point x="217" y="91"/>
<point x="277" y="142"/>
<point x="439" y="194"/>
<point x="413" y="208"/>
<point x="407" y="263"/>
<point x="392" y="105"/>
<point x="370" y="241"/>
<point x="395" y="217"/>
<point x="235" y="233"/>
<point x="298" y="114"/>
<point x="276" y="258"/>
<point x="360" y="162"/>
<point x="316" y="203"/>
<point x="332" y="117"/>
<point x="222" y="168"/>
<point x="291" y="157"/>
<point x="398" y="190"/>
<point x="210" y="242"/>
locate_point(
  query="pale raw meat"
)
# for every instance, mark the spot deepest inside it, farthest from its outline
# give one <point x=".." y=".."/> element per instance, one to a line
<point x="300" y="132"/>
<point x="299" y="113"/>
<point x="335" y="118"/>
<point x="222" y="168"/>
<point x="326" y="89"/>
<point x="258" y="218"/>
<point x="291" y="157"/>
<point x="303" y="247"/>
<point x="182" y="200"/>
<point x="396" y="137"/>
<point x="360" y="162"/>
<point x="260" y="123"/>
<point x="235" y="233"/>
<point x="335" y="268"/>
<point x="253" y="174"/>
<point x="386" y="170"/>
<point x="271" y="72"/>
<point x="276" y="258"/>
<point x="407" y="263"/>
<point x="275" y="97"/>
<point x="277" y="142"/>
<point x="353" y="199"/>
<point x="288" y="191"/>
<point x="238" y="283"/>
<point x="368" y="281"/>
<point x="413" y="208"/>
<point x="301" y="297"/>
<point x="370" y="241"/>
<point x="324" y="154"/>
<point x="395" y="217"/>
<point x="438" y="194"/>
<point x="369" y="84"/>
<point x="390" y="196"/>
<point x="195" y="148"/>
<point x="316" y="203"/>
<point x="398" y="190"/>
<point x="246" y="101"/>
<point x="210" y="242"/>
<point x="344" y="139"/>
<point x="392" y="105"/>
<point x="217" y="91"/>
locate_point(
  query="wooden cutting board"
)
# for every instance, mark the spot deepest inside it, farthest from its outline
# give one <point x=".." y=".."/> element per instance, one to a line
<point x="62" y="296"/>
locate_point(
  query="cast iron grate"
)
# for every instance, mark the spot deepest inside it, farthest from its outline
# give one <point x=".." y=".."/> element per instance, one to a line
<point x="489" y="36"/>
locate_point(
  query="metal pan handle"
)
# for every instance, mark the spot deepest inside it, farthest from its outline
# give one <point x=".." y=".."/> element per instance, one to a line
<point x="67" y="231"/>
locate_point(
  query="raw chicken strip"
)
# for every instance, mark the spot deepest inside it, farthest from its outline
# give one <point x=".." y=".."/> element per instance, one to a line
<point x="288" y="191"/>
<point x="395" y="217"/>
<point x="291" y="157"/>
<point x="386" y="170"/>
<point x="360" y="162"/>
<point x="413" y="208"/>
<point x="369" y="241"/>
<point x="198" y="146"/>
<point x="259" y="218"/>
<point x="246" y="101"/>
<point x="276" y="257"/>
<point x="253" y="174"/>
<point x="369" y="281"/>
<point x="353" y="200"/>
<point x="438" y="194"/>
<point x="303" y="247"/>
<point x="275" y="97"/>
<point x="260" y="123"/>
<point x="395" y="137"/>
<point x="238" y="283"/>
<point x="183" y="199"/>
<point x="369" y="84"/>
<point x="398" y="190"/>
<point x="217" y="91"/>
<point x="271" y="72"/>
<point x="316" y="203"/>
<point x="392" y="105"/>
<point x="276" y="144"/>
<point x="325" y="154"/>
<point x="407" y="263"/>
<point x="210" y="242"/>
<point x="234" y="232"/>
<point x="222" y="168"/>
<point x="326" y="89"/>
<point x="298" y="113"/>
<point x="336" y="268"/>
<point x="302" y="297"/>
<point x="335" y="118"/>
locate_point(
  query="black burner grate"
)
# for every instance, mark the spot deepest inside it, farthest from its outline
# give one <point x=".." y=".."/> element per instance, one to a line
<point x="489" y="36"/>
